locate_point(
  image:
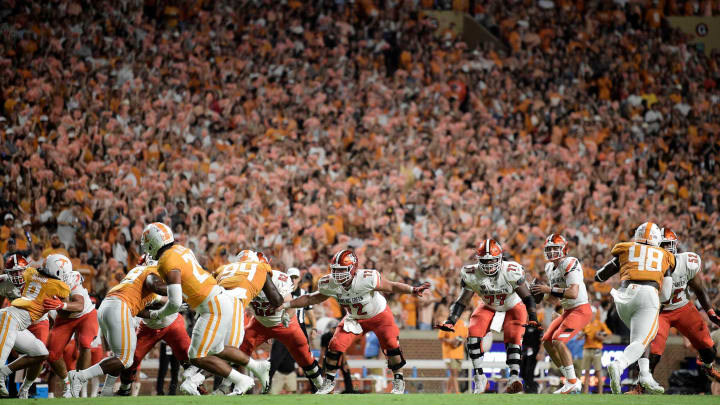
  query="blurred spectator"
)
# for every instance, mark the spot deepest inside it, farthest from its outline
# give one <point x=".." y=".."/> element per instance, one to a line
<point x="453" y="353"/>
<point x="595" y="334"/>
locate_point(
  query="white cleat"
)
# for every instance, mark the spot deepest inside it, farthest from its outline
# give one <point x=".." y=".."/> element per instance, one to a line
<point x="570" y="388"/>
<point x="188" y="387"/>
<point x="398" y="386"/>
<point x="76" y="383"/>
<point x="3" y="389"/>
<point x="242" y="388"/>
<point x="650" y="385"/>
<point x="328" y="387"/>
<point x="614" y="372"/>
<point x="514" y="385"/>
<point x="24" y="393"/>
<point x="480" y="383"/>
<point x="262" y="372"/>
<point x="67" y="392"/>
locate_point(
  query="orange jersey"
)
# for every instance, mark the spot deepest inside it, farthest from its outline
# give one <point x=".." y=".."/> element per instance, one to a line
<point x="247" y="276"/>
<point x="37" y="289"/>
<point x="132" y="289"/>
<point x="640" y="262"/>
<point x="197" y="284"/>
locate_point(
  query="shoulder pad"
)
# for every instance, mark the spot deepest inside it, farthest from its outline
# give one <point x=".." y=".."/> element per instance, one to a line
<point x="569" y="264"/>
<point x="513" y="271"/>
<point x="619" y="248"/>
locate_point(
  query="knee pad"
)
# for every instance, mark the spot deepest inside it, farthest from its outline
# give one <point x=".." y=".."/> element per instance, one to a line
<point x="395" y="352"/>
<point x="474" y="347"/>
<point x="335" y="356"/>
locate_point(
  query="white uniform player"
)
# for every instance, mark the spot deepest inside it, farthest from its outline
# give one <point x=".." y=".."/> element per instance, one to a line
<point x="358" y="291"/>
<point x="687" y="266"/>
<point x="264" y="312"/>
<point x="507" y="306"/>
<point x="361" y="301"/>
<point x="566" y="272"/>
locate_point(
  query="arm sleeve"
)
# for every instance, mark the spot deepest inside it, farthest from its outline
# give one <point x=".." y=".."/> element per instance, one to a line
<point x="666" y="290"/>
<point x="173" y="303"/>
<point x="608" y="270"/>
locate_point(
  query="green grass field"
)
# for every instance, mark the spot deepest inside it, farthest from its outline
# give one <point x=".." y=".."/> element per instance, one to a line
<point x="372" y="399"/>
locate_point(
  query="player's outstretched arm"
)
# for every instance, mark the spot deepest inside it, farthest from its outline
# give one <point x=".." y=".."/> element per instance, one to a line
<point x="174" y="294"/>
<point x="272" y="293"/>
<point x="401" y="288"/>
<point x="456" y="309"/>
<point x="155" y="284"/>
<point x="608" y="270"/>
<point x="305" y="300"/>
<point x="698" y="286"/>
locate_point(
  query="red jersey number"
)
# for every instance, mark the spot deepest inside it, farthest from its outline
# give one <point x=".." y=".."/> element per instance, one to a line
<point x="498" y="300"/>
<point x="358" y="309"/>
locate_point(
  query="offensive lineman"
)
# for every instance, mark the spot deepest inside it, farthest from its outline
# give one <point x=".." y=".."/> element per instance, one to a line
<point x="358" y="292"/>
<point x="566" y="280"/>
<point x="643" y="266"/>
<point x="506" y="299"/>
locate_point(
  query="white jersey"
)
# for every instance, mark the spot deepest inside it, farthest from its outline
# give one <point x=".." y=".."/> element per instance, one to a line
<point x="497" y="291"/>
<point x="568" y="272"/>
<point x="263" y="310"/>
<point x="74" y="280"/>
<point x="687" y="265"/>
<point x="360" y="301"/>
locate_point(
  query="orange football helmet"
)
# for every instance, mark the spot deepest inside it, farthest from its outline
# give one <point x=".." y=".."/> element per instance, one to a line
<point x="669" y="240"/>
<point x="556" y="247"/>
<point x="489" y="255"/>
<point x="15" y="265"/>
<point x="343" y="266"/>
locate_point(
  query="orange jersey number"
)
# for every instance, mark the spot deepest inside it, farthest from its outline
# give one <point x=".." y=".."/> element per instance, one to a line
<point x="37" y="289"/>
<point x="197" y="284"/>
<point x="247" y="277"/>
<point x="132" y="289"/>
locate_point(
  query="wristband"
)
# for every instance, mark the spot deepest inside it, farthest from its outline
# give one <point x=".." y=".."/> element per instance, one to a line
<point x="557" y="292"/>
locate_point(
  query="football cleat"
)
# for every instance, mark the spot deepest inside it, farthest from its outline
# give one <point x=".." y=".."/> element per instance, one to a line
<point x="514" y="385"/>
<point x="123" y="392"/>
<point x="570" y="388"/>
<point x="188" y="387"/>
<point x="224" y="388"/>
<point x="615" y="373"/>
<point x="398" y="386"/>
<point x="76" y="383"/>
<point x="709" y="371"/>
<point x="242" y="388"/>
<point x="328" y="387"/>
<point x="637" y="389"/>
<point x="480" y="383"/>
<point x="650" y="385"/>
<point x="262" y="372"/>
<point x="24" y="393"/>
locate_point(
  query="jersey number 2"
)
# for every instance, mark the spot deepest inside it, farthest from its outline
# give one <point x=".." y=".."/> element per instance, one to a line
<point x="358" y="309"/>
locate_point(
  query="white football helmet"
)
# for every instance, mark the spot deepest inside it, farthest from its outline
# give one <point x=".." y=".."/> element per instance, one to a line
<point x="248" y="255"/>
<point x="56" y="266"/>
<point x="154" y="237"/>
<point x="648" y="233"/>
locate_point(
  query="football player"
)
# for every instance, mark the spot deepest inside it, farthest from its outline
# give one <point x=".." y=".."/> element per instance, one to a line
<point x="271" y="322"/>
<point x="220" y="314"/>
<point x="566" y="283"/>
<point x="358" y="291"/>
<point x="79" y="318"/>
<point x="506" y="300"/>
<point x="11" y="285"/>
<point x="43" y="291"/>
<point x="244" y="279"/>
<point x="645" y="270"/>
<point x="680" y="313"/>
<point x="121" y="304"/>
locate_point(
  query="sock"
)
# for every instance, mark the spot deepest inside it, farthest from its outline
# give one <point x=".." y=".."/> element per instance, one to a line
<point x="83" y="390"/>
<point x="513" y="358"/>
<point x="631" y="354"/>
<point x="109" y="387"/>
<point x="26" y="384"/>
<point x="5" y="371"/>
<point x="569" y="372"/>
<point x="313" y="373"/>
<point x="94" y="371"/>
<point x="66" y="381"/>
<point x="236" y="377"/>
<point x="330" y="376"/>
<point x="398" y="376"/>
<point x="252" y="365"/>
<point x="348" y="380"/>
<point x="644" y="365"/>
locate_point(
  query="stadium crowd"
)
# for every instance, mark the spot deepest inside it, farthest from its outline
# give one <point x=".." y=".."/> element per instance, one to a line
<point x="302" y="128"/>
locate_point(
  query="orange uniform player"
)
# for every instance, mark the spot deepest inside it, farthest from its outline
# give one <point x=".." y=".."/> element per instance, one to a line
<point x="245" y="278"/>
<point x="43" y="291"/>
<point x="122" y="303"/>
<point x="642" y="265"/>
